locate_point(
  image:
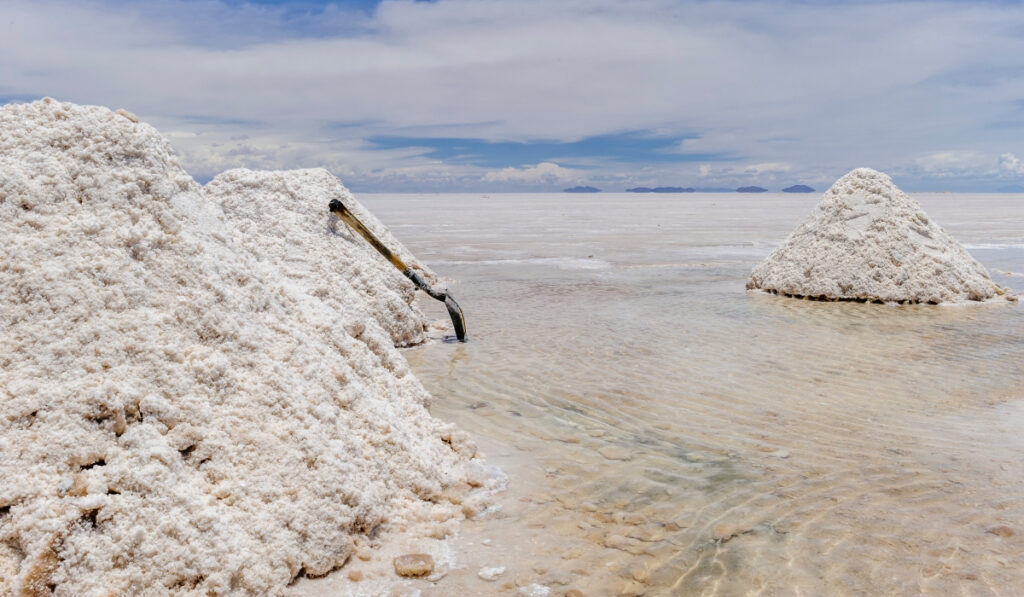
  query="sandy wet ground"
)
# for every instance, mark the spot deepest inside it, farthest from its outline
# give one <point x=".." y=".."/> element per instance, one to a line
<point x="666" y="433"/>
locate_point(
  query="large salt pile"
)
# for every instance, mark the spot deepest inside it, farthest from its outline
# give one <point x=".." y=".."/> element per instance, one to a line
<point x="285" y="215"/>
<point x="868" y="241"/>
<point x="176" y="416"/>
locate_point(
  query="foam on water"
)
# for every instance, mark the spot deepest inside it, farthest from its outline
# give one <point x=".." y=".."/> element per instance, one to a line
<point x="667" y="433"/>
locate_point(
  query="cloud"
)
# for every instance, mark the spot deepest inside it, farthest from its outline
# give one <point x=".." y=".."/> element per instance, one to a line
<point x="545" y="173"/>
<point x="956" y="163"/>
<point x="1011" y="164"/>
<point x="632" y="147"/>
<point x="768" y="168"/>
<point x="821" y="87"/>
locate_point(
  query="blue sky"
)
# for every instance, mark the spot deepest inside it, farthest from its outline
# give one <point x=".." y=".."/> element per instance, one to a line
<point x="492" y="95"/>
<point x="637" y="148"/>
<point x="310" y="4"/>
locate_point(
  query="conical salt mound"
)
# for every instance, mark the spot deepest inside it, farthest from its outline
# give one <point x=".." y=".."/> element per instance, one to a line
<point x="177" y="414"/>
<point x="868" y="241"/>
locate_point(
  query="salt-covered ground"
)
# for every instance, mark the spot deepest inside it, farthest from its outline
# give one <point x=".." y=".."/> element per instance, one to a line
<point x="667" y="433"/>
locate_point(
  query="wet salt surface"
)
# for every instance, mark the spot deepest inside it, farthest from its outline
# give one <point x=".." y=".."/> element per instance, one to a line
<point x="667" y="433"/>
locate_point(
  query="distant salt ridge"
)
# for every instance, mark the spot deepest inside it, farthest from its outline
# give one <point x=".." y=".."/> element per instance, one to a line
<point x="177" y="414"/>
<point x="868" y="241"/>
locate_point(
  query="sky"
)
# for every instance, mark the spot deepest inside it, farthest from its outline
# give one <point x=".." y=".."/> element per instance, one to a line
<point x="525" y="95"/>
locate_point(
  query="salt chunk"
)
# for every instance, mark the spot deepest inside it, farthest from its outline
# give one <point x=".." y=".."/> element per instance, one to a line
<point x="491" y="573"/>
<point x="535" y="590"/>
<point x="414" y="564"/>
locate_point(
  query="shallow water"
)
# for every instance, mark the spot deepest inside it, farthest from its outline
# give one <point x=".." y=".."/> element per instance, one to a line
<point x="667" y="433"/>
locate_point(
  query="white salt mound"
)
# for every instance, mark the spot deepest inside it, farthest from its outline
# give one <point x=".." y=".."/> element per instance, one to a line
<point x="176" y="414"/>
<point x="868" y="241"/>
<point x="284" y="215"/>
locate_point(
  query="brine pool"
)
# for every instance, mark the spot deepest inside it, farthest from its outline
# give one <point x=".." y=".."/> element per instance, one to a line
<point x="665" y="432"/>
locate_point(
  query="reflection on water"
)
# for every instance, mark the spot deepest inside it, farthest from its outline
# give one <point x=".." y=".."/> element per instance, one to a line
<point x="667" y="433"/>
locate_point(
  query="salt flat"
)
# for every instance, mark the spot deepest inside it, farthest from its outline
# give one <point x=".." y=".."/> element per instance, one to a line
<point x="666" y="432"/>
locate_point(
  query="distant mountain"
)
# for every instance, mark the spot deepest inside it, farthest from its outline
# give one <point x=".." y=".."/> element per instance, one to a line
<point x="798" y="188"/>
<point x="582" y="190"/>
<point x="1013" y="188"/>
<point x="662" y="190"/>
<point x="751" y="190"/>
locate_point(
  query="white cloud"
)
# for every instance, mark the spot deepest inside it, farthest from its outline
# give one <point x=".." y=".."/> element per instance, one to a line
<point x="1011" y="164"/>
<point x="541" y="174"/>
<point x="821" y="87"/>
<point x="955" y="163"/>
<point x="770" y="168"/>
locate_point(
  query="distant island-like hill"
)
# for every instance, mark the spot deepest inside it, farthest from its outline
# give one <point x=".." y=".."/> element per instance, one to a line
<point x="751" y="190"/>
<point x="661" y="190"/>
<point x="582" y="190"/>
<point x="798" y="188"/>
<point x="1013" y="188"/>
